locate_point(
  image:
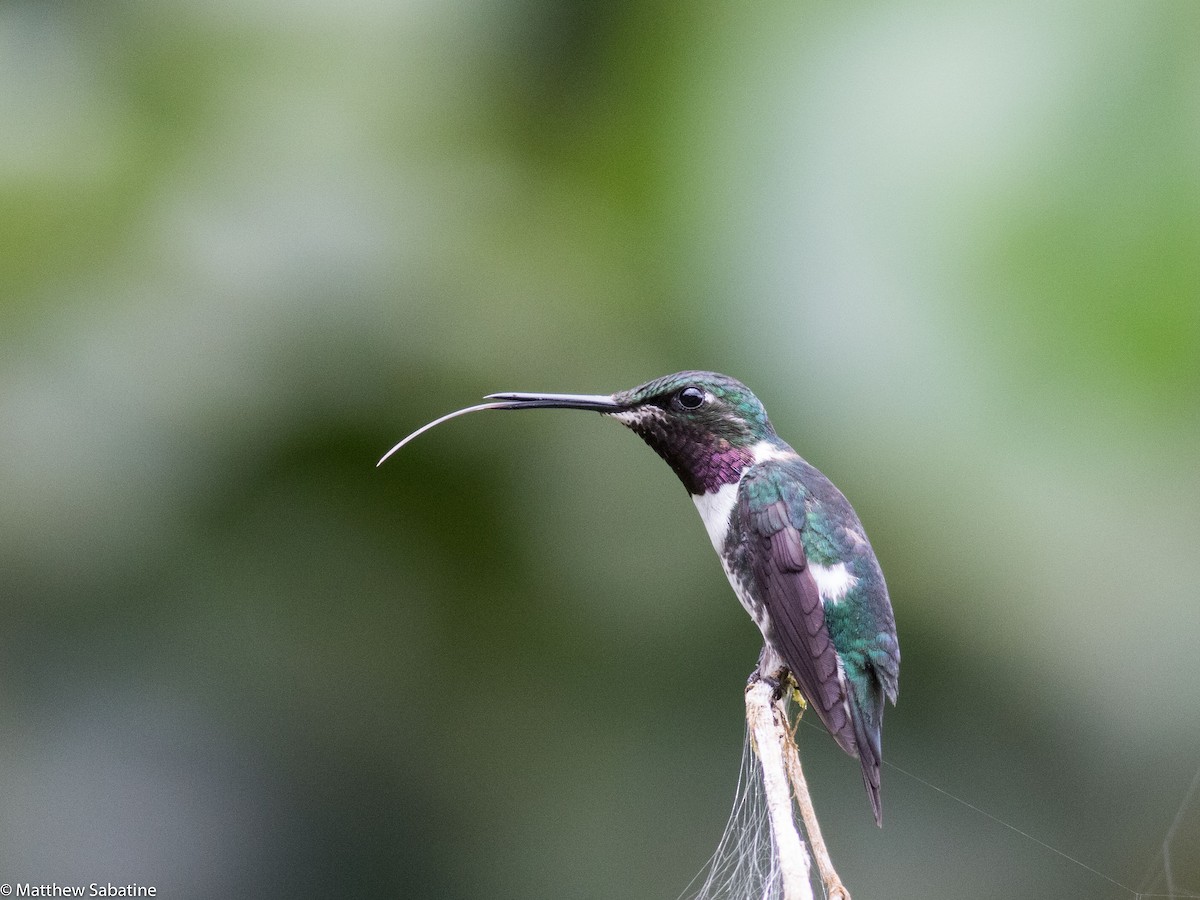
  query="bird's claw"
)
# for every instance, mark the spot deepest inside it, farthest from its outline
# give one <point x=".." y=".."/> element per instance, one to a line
<point x="777" y="683"/>
<point x="782" y="684"/>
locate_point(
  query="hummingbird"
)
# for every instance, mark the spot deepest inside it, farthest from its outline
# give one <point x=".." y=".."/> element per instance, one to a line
<point x="791" y="545"/>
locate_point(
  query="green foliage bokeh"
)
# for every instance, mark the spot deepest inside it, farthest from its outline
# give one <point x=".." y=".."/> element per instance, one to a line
<point x="248" y="246"/>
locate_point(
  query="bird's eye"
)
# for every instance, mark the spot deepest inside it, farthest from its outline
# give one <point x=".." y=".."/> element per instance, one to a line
<point x="691" y="398"/>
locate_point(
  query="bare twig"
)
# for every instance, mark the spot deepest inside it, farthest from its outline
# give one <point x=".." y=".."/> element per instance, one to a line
<point x="769" y="731"/>
<point x="834" y="889"/>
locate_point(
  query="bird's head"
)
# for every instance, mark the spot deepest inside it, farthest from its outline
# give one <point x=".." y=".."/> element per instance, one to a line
<point x="705" y="425"/>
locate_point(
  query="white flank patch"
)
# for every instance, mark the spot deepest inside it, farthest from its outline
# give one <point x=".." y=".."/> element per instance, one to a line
<point x="833" y="582"/>
<point x="715" y="508"/>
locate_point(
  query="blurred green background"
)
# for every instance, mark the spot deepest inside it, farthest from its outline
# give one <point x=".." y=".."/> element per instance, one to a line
<point x="249" y="244"/>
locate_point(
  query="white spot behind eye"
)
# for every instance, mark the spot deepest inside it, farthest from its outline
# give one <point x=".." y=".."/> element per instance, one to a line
<point x="764" y="451"/>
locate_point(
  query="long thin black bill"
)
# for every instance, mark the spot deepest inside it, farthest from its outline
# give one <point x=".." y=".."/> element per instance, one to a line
<point x="596" y="402"/>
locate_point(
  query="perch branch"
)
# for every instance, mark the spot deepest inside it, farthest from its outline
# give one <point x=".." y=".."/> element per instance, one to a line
<point x="769" y="730"/>
<point x="834" y="889"/>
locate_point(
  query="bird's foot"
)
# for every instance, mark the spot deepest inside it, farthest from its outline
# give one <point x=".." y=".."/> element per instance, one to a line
<point x="782" y="684"/>
<point x="772" y="681"/>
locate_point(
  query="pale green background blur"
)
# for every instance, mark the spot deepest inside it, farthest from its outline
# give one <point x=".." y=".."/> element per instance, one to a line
<point x="249" y="244"/>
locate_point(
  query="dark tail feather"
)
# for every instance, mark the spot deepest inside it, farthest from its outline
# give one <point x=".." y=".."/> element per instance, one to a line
<point x="870" y="773"/>
<point x="868" y="722"/>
